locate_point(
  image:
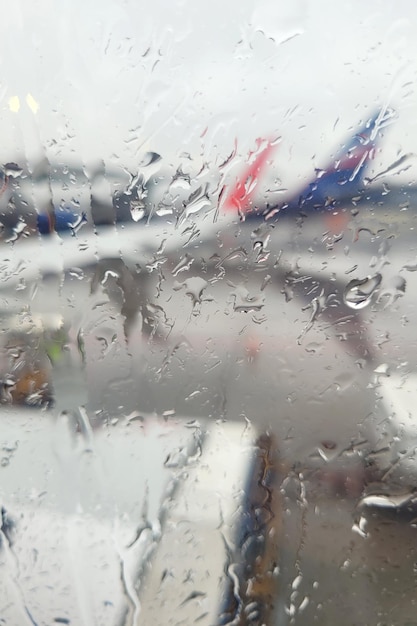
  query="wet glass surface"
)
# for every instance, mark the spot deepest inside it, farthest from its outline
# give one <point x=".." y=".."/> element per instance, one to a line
<point x="208" y="311"/>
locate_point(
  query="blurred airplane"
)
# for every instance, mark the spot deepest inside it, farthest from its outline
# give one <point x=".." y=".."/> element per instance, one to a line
<point x="200" y="218"/>
<point x="342" y="179"/>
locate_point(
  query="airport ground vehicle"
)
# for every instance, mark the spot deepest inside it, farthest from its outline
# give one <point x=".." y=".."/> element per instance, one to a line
<point x="65" y="193"/>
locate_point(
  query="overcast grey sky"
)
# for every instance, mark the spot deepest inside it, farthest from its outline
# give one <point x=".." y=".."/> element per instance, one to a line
<point x="87" y="80"/>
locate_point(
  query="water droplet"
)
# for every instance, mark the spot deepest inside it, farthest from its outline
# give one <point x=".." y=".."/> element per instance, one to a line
<point x="162" y="210"/>
<point x="181" y="180"/>
<point x="260" y="236"/>
<point x="387" y="501"/>
<point x="383" y="368"/>
<point x="13" y="170"/>
<point x="197" y="201"/>
<point x="76" y="272"/>
<point x="399" y="283"/>
<point x="243" y="302"/>
<point x="297" y="581"/>
<point x="400" y="165"/>
<point x="18" y="231"/>
<point x="183" y="264"/>
<point x="238" y="254"/>
<point x="193" y="286"/>
<point x="266" y="281"/>
<point x="410" y="267"/>
<point x="359" y="527"/>
<point x="150" y="158"/>
<point x="137" y="210"/>
<point x="358" y="293"/>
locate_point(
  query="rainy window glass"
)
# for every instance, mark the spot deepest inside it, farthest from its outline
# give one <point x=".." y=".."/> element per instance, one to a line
<point x="208" y="371"/>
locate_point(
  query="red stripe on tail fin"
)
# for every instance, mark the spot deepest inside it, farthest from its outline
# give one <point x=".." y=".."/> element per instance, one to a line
<point x="241" y="194"/>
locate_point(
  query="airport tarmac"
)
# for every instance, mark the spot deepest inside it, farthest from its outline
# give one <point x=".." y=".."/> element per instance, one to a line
<point x="272" y="345"/>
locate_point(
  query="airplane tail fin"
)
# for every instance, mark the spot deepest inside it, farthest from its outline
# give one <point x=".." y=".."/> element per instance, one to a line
<point x="240" y="196"/>
<point x="343" y="177"/>
<point x="352" y="158"/>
